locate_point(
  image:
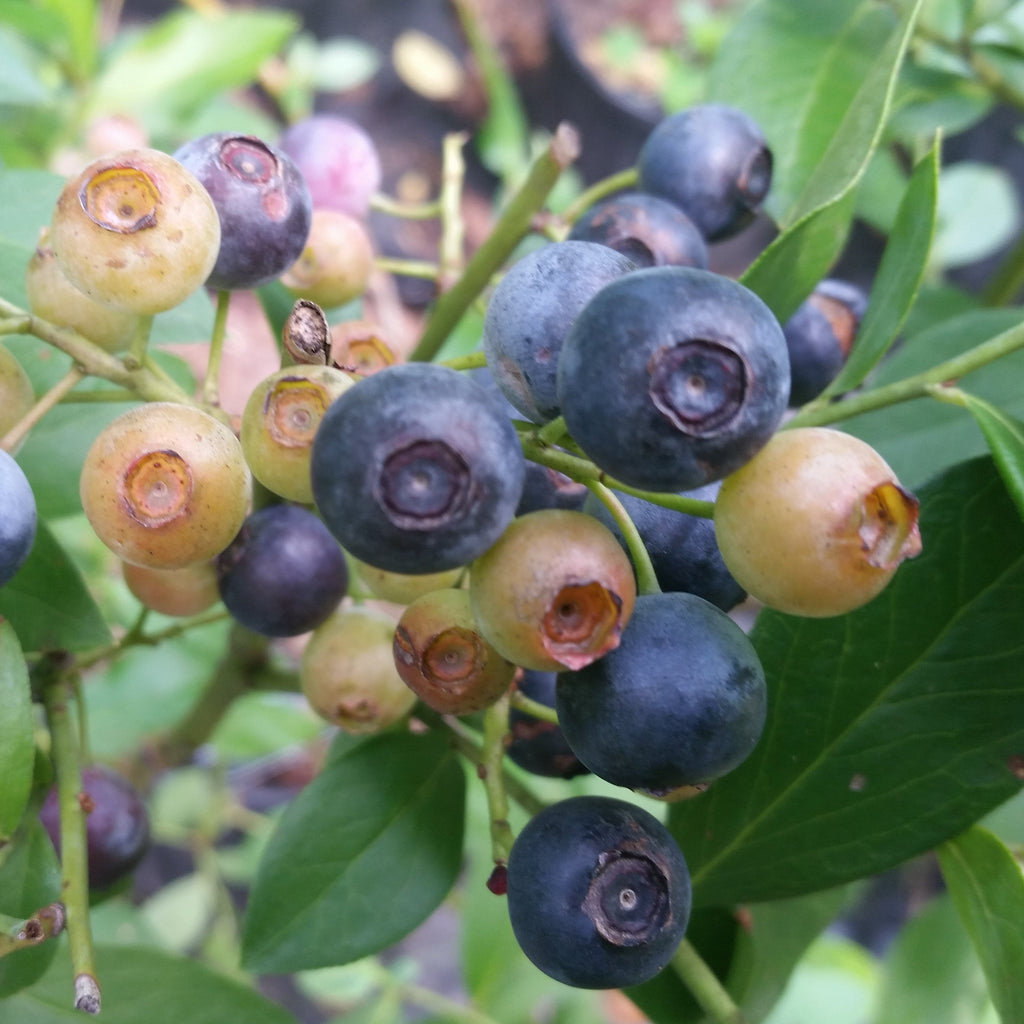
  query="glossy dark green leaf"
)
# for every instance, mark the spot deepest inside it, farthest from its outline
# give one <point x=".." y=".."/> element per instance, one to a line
<point x="987" y="888"/>
<point x="17" y="740"/>
<point x="361" y="857"/>
<point x="181" y="61"/>
<point x="145" y="986"/>
<point x="1005" y="436"/>
<point x="889" y="729"/>
<point x="29" y="881"/>
<point x="922" y="438"/>
<point x="48" y="604"/>
<point x="899" y="275"/>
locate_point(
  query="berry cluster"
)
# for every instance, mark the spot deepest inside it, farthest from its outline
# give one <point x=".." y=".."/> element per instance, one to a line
<point x="614" y="353"/>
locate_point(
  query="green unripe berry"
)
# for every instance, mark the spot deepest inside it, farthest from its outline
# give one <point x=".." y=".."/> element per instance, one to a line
<point x="348" y="672"/>
<point x="554" y="592"/>
<point x="335" y="264"/>
<point x="816" y="523"/>
<point x="16" y="393"/>
<point x="52" y="296"/>
<point x="136" y="230"/>
<point x="443" y="658"/>
<point x="279" y="422"/>
<point x="165" y="485"/>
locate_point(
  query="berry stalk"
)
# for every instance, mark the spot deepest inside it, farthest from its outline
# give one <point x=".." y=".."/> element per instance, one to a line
<point x="57" y="697"/>
<point x="514" y="224"/>
<point x="705" y="986"/>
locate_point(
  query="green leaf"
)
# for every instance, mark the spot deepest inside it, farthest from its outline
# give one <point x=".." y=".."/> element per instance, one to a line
<point x="889" y="729"/>
<point x="823" y="118"/>
<point x="144" y="986"/>
<point x="17" y="740"/>
<point x="185" y="58"/>
<point x="922" y="438"/>
<point x="29" y="881"/>
<point x="773" y="943"/>
<point x="1005" y="437"/>
<point x="358" y="859"/>
<point x="48" y="604"/>
<point x="931" y="973"/>
<point x="785" y="273"/>
<point x="823" y="171"/>
<point x="987" y="888"/>
<point x="899" y="276"/>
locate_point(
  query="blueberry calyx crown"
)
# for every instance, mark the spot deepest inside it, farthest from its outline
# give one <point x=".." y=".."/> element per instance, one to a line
<point x="699" y="385"/>
<point x="628" y="898"/>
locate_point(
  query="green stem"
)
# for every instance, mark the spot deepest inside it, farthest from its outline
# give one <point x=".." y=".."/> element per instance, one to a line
<point x="472" y="361"/>
<point x="917" y="386"/>
<point x="705" y="987"/>
<point x="514" y="223"/>
<point x="211" y="382"/>
<point x="53" y="397"/>
<point x="408" y="268"/>
<point x="100" y="396"/>
<point x="74" y="855"/>
<point x="437" y="1005"/>
<point x="17" y="326"/>
<point x="453" y="230"/>
<point x="136" y="638"/>
<point x="647" y="581"/>
<point x="492" y="774"/>
<point x="44" y="924"/>
<point x="244" y="668"/>
<point x="140" y="342"/>
<point x="553" y="431"/>
<point x="97" y="362"/>
<point x="407" y="211"/>
<point x="598" y="191"/>
<point x="471" y="748"/>
<point x="585" y="471"/>
<point x="529" y="706"/>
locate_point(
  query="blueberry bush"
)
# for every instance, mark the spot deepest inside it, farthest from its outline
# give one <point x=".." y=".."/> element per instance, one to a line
<point x="273" y="741"/>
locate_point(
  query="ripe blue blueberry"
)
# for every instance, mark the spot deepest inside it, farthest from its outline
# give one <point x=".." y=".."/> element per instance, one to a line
<point x="672" y="377"/>
<point x="680" y="702"/>
<point x="416" y="469"/>
<point x="530" y="313"/>
<point x="537" y="745"/>
<point x="263" y="203"/>
<point x="819" y="336"/>
<point x="651" y="231"/>
<point x="682" y="548"/>
<point x="599" y="892"/>
<point x="284" y="572"/>
<point x="17" y="517"/>
<point x="712" y="162"/>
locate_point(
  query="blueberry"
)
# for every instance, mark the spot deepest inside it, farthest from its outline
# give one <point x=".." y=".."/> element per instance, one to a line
<point x="17" y="517"/>
<point x="338" y="159"/>
<point x="712" y="162"/>
<point x="683" y="548"/>
<point x="530" y="313"/>
<point x="599" y="893"/>
<point x="819" y="336"/>
<point x="536" y="745"/>
<point x="416" y="469"/>
<point x="680" y="702"/>
<point x="283" y="574"/>
<point x="672" y="377"/>
<point x="116" y="825"/>
<point x="651" y="231"/>
<point x="263" y="203"/>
